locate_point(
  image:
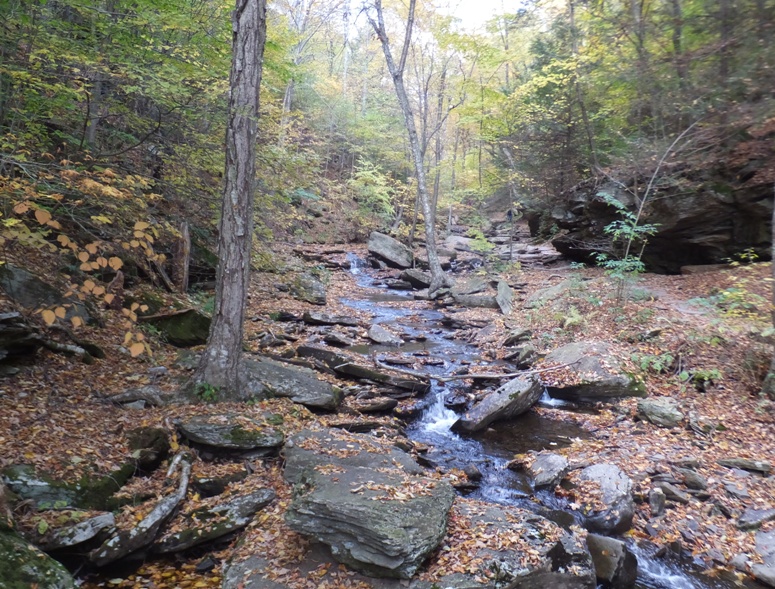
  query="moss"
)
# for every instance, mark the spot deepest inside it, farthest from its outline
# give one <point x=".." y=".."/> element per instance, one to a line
<point x="23" y="566"/>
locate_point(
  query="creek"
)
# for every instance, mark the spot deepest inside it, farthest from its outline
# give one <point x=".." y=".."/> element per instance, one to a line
<point x="491" y="450"/>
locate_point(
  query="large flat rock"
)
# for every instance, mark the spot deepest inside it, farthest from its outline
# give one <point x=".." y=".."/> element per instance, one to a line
<point x="390" y="250"/>
<point x="266" y="378"/>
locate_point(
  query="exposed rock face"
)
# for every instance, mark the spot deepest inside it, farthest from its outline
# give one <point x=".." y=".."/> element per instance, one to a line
<point x="228" y="431"/>
<point x="508" y="401"/>
<point x="615" y="564"/>
<point x="755" y="518"/>
<point x="705" y="225"/>
<point x="605" y="494"/>
<point x="765" y="549"/>
<point x="209" y="523"/>
<point x="663" y="412"/>
<point x="547" y="469"/>
<point x="390" y="250"/>
<point x="597" y="373"/>
<point x="31" y="292"/>
<point x="23" y="566"/>
<point x="381" y="522"/>
<point x="269" y="378"/>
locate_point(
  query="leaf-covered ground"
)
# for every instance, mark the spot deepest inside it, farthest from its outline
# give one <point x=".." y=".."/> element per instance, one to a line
<point x="699" y="339"/>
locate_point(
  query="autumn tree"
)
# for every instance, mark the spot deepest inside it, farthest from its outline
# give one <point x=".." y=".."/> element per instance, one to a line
<point x="220" y="363"/>
<point x="377" y="20"/>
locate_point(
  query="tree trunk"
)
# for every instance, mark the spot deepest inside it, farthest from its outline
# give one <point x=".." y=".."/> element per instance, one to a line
<point x="768" y="386"/>
<point x="438" y="278"/>
<point x="219" y="365"/>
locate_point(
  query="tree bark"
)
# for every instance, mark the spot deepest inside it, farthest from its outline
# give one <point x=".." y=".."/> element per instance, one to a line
<point x="219" y="365"/>
<point x="768" y="386"/>
<point x="438" y="278"/>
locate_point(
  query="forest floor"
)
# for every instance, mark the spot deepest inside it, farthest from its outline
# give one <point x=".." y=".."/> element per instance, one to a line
<point x="708" y="349"/>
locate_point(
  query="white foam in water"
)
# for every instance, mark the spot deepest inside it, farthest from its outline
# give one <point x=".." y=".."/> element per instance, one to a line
<point x="437" y="417"/>
<point x="548" y="401"/>
<point x="658" y="574"/>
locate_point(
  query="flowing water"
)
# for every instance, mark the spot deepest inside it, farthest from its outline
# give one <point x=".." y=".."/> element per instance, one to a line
<point x="492" y="449"/>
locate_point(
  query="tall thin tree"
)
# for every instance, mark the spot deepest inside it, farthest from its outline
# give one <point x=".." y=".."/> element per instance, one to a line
<point x="439" y="278"/>
<point x="220" y="363"/>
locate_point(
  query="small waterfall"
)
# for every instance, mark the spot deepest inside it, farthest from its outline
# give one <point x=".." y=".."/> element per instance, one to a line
<point x="654" y="573"/>
<point x="437" y="417"/>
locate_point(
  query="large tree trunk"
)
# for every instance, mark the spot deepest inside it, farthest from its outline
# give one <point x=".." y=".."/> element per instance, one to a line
<point x="438" y="278"/>
<point x="768" y="386"/>
<point x="219" y="366"/>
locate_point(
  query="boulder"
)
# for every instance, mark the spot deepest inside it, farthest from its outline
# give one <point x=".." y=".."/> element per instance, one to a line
<point x="308" y="288"/>
<point x="469" y="286"/>
<point x="416" y="278"/>
<point x="615" y="565"/>
<point x="230" y="431"/>
<point x="266" y="378"/>
<point x="547" y="469"/>
<point x="595" y="373"/>
<point x="183" y="329"/>
<point x="17" y="336"/>
<point x="390" y="250"/>
<point x="663" y="412"/>
<point x="605" y="495"/>
<point x="380" y="335"/>
<point x="509" y="400"/>
<point x="74" y="535"/>
<point x="210" y="523"/>
<point x="23" y="566"/>
<point x="149" y="446"/>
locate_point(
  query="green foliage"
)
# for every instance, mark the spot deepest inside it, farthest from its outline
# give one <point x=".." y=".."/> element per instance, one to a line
<point x="373" y="189"/>
<point x="625" y="233"/>
<point x="701" y="378"/>
<point x="658" y="363"/>
<point x="480" y="243"/>
<point x="206" y="392"/>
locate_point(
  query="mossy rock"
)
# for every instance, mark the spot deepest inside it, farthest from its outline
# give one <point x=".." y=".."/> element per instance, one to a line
<point x="183" y="329"/>
<point x="23" y="566"/>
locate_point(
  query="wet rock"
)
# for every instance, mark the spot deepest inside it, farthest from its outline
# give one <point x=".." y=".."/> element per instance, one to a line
<point x="615" y="564"/>
<point x="380" y="522"/>
<point x="310" y="449"/>
<point x="210" y="523"/>
<point x="182" y="329"/>
<point x="597" y="371"/>
<point x="607" y="503"/>
<point x="390" y="250"/>
<point x="398" y="285"/>
<point x="268" y="378"/>
<point x="308" y="288"/>
<point x="229" y="431"/>
<point x="23" y="566"/>
<point x="314" y="318"/>
<point x="416" y="278"/>
<point x="547" y="469"/>
<point x="761" y="466"/>
<point x="753" y="519"/>
<point x="334" y="338"/>
<point x="663" y="412"/>
<point x="380" y="335"/>
<point x="472" y="472"/>
<point x="508" y="401"/>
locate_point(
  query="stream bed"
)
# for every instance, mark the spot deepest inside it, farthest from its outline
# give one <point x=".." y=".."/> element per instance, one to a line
<point x="492" y="449"/>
